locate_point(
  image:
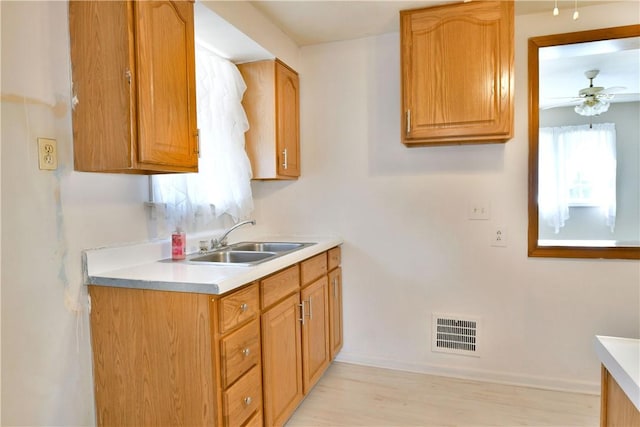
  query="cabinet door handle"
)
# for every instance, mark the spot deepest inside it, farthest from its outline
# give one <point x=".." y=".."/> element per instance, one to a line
<point x="285" y="159"/>
<point x="408" y="121"/>
<point x="335" y="287"/>
<point x="244" y="307"/>
<point x="246" y="352"/>
<point x="310" y="309"/>
<point x="127" y="75"/>
<point x="247" y="400"/>
<point x="198" y="142"/>
<point x="301" y="312"/>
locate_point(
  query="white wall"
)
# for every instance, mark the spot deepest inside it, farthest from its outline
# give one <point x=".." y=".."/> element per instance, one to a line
<point x="409" y="248"/>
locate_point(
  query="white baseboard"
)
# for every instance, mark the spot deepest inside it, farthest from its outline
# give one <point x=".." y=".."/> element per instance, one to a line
<point x="547" y="383"/>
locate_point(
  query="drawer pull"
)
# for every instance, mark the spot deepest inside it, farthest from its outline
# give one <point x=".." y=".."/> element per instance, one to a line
<point x="244" y="307"/>
<point x="247" y="400"/>
<point x="246" y="352"/>
<point x="302" y="315"/>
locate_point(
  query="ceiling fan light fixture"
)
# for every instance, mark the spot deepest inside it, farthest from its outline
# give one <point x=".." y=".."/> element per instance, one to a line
<point x="592" y="107"/>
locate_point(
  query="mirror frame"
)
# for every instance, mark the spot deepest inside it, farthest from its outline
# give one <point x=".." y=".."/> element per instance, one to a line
<point x="535" y="43"/>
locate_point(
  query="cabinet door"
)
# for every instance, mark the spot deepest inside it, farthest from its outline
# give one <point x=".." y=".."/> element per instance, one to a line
<point x="167" y="129"/>
<point x="282" y="360"/>
<point x="288" y="122"/>
<point x="335" y="311"/>
<point x="457" y="73"/>
<point x="315" y="332"/>
<point x="101" y="49"/>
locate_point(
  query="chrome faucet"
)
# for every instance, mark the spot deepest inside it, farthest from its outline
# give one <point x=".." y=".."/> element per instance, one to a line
<point x="222" y="240"/>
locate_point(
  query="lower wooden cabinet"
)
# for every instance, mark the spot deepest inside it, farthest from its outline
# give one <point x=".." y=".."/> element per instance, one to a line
<point x="616" y="409"/>
<point x="246" y="358"/>
<point x="282" y="360"/>
<point x="315" y="332"/>
<point x="335" y="311"/>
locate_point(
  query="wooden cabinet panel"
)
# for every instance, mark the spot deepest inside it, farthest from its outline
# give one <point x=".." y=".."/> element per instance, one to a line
<point x="239" y="352"/>
<point x="239" y="307"/>
<point x="616" y="409"/>
<point x="255" y="421"/>
<point x="335" y="311"/>
<point x="243" y="399"/>
<point x="272" y="104"/>
<point x="166" y="83"/>
<point x="457" y="73"/>
<point x="335" y="257"/>
<point x="152" y="357"/>
<point x="133" y="72"/>
<point x="315" y="332"/>
<point x="288" y="118"/>
<point x="281" y="284"/>
<point x="313" y="268"/>
<point x="281" y="360"/>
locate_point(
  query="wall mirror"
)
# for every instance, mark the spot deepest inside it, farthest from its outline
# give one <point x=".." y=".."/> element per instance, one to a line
<point x="584" y="144"/>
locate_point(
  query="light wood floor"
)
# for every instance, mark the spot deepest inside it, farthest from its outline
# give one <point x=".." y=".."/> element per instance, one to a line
<point x="352" y="395"/>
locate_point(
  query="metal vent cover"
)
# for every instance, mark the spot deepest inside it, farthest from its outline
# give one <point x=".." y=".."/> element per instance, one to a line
<point x="455" y="334"/>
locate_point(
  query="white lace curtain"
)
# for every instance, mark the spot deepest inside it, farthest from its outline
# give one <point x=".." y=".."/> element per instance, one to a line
<point x="222" y="184"/>
<point x="565" y="150"/>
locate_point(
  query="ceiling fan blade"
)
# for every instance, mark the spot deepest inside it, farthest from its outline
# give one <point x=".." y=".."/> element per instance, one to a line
<point x="613" y="90"/>
<point x="569" y="103"/>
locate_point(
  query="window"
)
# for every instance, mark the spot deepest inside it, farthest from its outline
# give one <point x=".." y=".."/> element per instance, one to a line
<point x="222" y="185"/>
<point x="577" y="167"/>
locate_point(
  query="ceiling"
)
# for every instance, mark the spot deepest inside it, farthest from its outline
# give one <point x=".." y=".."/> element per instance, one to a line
<point x="562" y="70"/>
<point x="322" y="21"/>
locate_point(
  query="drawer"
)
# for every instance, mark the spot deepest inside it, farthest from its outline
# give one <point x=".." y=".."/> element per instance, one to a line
<point x="243" y="399"/>
<point x="255" y="421"/>
<point x="313" y="268"/>
<point x="278" y="286"/>
<point x="239" y="352"/>
<point x="335" y="257"/>
<point x="239" y="307"/>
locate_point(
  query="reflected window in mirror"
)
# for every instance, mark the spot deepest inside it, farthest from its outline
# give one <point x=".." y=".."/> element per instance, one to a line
<point x="584" y="144"/>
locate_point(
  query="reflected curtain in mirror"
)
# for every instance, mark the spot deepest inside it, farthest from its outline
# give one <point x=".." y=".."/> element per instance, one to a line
<point x="577" y="167"/>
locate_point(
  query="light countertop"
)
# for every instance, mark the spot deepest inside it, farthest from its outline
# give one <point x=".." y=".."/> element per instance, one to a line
<point x="621" y="357"/>
<point x="144" y="266"/>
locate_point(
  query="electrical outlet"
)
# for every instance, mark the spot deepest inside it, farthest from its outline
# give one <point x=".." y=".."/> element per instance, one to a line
<point x="499" y="237"/>
<point x="47" y="154"/>
<point x="479" y="210"/>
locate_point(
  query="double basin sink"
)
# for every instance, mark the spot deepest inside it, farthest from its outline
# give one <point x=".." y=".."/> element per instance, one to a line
<point x="247" y="253"/>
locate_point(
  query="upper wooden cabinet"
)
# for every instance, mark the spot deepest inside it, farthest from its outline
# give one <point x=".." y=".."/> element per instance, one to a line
<point x="133" y="70"/>
<point x="272" y="104"/>
<point x="457" y="73"/>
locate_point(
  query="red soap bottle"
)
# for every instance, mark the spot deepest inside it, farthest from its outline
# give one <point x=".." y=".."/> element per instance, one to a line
<point x="178" y="245"/>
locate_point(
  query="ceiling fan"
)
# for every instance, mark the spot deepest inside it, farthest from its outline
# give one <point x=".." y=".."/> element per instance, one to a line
<point x="592" y="100"/>
<point x="595" y="99"/>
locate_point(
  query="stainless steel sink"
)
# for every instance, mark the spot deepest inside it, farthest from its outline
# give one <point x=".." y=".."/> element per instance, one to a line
<point x="266" y="246"/>
<point x="234" y="257"/>
<point x="247" y="253"/>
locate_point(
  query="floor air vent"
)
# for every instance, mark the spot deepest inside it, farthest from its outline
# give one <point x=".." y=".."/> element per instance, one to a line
<point x="454" y="334"/>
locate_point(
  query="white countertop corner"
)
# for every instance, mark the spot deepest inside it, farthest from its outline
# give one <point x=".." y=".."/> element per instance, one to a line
<point x="621" y="357"/>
